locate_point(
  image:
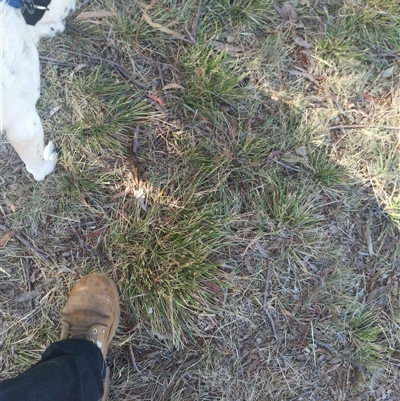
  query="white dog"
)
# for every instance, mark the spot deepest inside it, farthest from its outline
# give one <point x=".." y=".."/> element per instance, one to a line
<point x="20" y="79"/>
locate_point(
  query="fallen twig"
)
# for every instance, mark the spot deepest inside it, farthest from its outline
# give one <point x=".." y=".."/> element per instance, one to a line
<point x="340" y="355"/>
<point x="133" y="157"/>
<point x="196" y="21"/>
<point x="265" y="308"/>
<point x="267" y="278"/>
<point x="27" y="296"/>
<point x="159" y="62"/>
<point x="55" y="61"/>
<point x="21" y="238"/>
<point x="132" y="356"/>
<point x="132" y="330"/>
<point x="41" y="254"/>
<point x="28" y="280"/>
<point x="121" y="70"/>
<point x="364" y="126"/>
<point x="297" y="170"/>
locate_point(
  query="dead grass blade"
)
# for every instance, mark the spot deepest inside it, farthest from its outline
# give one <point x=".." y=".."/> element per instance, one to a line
<point x="361" y="126"/>
<point x="230" y="49"/>
<point x="6" y="237"/>
<point x="133" y="161"/>
<point x="213" y="287"/>
<point x="196" y="20"/>
<point x="172" y="86"/>
<point x="94" y="14"/>
<point x="132" y="357"/>
<point x="161" y="28"/>
<point x="265" y="306"/>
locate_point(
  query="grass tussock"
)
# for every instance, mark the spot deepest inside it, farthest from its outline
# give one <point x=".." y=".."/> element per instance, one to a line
<point x="164" y="248"/>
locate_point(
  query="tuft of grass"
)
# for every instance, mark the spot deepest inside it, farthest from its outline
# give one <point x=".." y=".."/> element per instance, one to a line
<point x="393" y="208"/>
<point x="324" y="170"/>
<point x="163" y="251"/>
<point x="251" y="13"/>
<point x="285" y="204"/>
<point x="212" y="81"/>
<point x="104" y="106"/>
<point x="358" y="27"/>
<point x="365" y="333"/>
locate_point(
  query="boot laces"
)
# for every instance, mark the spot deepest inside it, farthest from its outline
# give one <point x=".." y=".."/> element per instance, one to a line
<point x="77" y="331"/>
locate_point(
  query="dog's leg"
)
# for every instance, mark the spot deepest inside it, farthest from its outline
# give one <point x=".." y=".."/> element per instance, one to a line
<point x="27" y="137"/>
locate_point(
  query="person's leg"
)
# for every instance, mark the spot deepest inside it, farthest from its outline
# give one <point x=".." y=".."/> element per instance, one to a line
<point x="74" y="369"/>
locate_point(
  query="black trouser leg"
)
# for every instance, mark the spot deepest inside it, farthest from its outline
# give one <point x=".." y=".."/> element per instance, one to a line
<point x="70" y="370"/>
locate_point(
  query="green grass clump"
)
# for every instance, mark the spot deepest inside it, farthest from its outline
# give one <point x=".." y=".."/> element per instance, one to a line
<point x="212" y="79"/>
<point x="393" y="208"/>
<point x="106" y="107"/>
<point x="164" y="253"/>
<point x="285" y="204"/>
<point x="365" y="333"/>
<point x="242" y="12"/>
<point x="324" y="170"/>
<point x="359" y="30"/>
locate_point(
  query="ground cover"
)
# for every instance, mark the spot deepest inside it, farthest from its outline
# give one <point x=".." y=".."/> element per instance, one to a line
<point x="233" y="166"/>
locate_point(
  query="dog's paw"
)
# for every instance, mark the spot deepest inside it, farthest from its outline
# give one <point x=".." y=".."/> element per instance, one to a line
<point x="50" y="154"/>
<point x="49" y="163"/>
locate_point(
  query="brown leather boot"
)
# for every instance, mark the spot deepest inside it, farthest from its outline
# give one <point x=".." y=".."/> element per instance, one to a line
<point x="92" y="313"/>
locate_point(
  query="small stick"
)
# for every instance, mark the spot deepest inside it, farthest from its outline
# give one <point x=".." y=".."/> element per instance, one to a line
<point x="297" y="170"/>
<point x="132" y="330"/>
<point x="277" y="8"/>
<point x="137" y="370"/>
<point x="265" y="308"/>
<point x="161" y="77"/>
<point x="313" y="340"/>
<point x="267" y="278"/>
<point x="117" y="66"/>
<point x="55" y="61"/>
<point x="271" y="322"/>
<point x="134" y="164"/>
<point x="191" y="39"/>
<point x="160" y="63"/>
<point x="363" y="126"/>
<point x="338" y="354"/>
<point x="28" y="280"/>
<point x="196" y="21"/>
<point x="135" y="139"/>
<point x="21" y="238"/>
<point x="41" y="254"/>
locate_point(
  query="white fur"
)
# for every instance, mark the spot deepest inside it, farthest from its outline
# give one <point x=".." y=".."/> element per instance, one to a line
<point x="20" y="78"/>
<point x="53" y="20"/>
